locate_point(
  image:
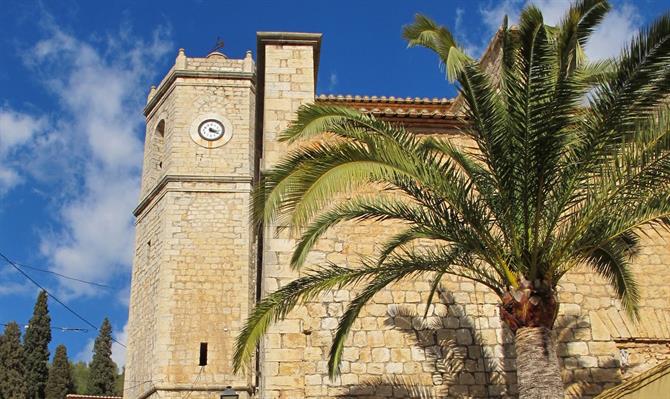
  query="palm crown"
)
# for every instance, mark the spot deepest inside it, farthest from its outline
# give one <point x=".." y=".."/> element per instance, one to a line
<point x="570" y="161"/>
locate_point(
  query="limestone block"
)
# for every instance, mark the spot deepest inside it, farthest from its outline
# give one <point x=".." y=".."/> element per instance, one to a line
<point x="577" y="348"/>
<point x="463" y="336"/>
<point x="381" y="355"/>
<point x="602" y="348"/>
<point x="394" y="368"/>
<point x="588" y="361"/>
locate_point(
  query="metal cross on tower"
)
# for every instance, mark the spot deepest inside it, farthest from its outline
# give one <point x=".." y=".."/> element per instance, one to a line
<point x="218" y="46"/>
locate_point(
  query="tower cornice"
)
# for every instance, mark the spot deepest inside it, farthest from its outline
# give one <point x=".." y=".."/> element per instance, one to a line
<point x="167" y="179"/>
<point x="174" y="74"/>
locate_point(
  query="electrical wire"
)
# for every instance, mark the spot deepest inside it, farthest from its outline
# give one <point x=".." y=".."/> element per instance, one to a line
<point x="63" y="276"/>
<point x="197" y="378"/>
<point x="138" y="384"/>
<point x="80" y="317"/>
<point x="63" y="329"/>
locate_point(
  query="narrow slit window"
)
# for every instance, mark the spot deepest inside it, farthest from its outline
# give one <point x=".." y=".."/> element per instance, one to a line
<point x="203" y="354"/>
<point x="149" y="252"/>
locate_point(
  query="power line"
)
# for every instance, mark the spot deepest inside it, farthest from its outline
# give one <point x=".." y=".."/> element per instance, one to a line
<point x="197" y="378"/>
<point x="63" y="329"/>
<point x="80" y="317"/>
<point x="139" y="383"/>
<point x="62" y="275"/>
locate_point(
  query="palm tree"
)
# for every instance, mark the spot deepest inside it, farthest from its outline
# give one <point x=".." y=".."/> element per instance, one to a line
<point x="571" y="161"/>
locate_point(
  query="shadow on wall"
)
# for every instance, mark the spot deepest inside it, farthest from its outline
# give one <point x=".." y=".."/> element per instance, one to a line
<point x="464" y="364"/>
<point x="586" y="369"/>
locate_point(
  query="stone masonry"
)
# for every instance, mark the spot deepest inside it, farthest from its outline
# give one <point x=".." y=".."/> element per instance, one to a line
<point x="199" y="266"/>
<point x="193" y="274"/>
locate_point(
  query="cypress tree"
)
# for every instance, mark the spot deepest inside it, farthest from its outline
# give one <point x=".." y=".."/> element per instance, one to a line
<point x="60" y="381"/>
<point x="120" y="379"/>
<point x="36" y="347"/>
<point x="80" y="373"/>
<point x="12" y="364"/>
<point x="102" y="377"/>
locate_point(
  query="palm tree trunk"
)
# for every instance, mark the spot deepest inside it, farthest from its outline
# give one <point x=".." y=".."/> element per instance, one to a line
<point x="538" y="374"/>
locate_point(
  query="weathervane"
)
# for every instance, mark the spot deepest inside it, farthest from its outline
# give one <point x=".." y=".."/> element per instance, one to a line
<point x="218" y="46"/>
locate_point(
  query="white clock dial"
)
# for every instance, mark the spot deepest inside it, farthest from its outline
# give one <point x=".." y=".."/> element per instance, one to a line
<point x="211" y="129"/>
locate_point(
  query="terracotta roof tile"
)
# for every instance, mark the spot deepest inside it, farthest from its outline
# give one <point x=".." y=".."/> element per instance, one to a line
<point x="384" y="99"/>
<point x="407" y="108"/>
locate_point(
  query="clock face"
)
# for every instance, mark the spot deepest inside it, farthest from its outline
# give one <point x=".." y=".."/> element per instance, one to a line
<point x="211" y="129"/>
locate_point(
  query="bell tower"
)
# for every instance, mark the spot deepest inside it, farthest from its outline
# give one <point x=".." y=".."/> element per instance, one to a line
<point x="194" y="264"/>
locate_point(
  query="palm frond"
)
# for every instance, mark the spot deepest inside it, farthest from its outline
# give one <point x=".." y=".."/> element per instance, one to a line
<point x="394" y="269"/>
<point x="376" y="208"/>
<point x="571" y="165"/>
<point x="426" y="33"/>
<point x="636" y="182"/>
<point x="277" y="305"/>
<point x="631" y="93"/>
<point x="575" y="29"/>
<point x="434" y="286"/>
<point x="403" y="239"/>
<point x="592" y="73"/>
<point x="611" y="261"/>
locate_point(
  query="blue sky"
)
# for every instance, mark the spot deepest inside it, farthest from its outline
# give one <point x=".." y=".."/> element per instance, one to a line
<point x="73" y="80"/>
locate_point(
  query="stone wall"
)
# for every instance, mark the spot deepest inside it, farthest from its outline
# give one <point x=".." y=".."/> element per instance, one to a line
<point x="640" y="356"/>
<point x="194" y="273"/>
<point x="143" y="320"/>
<point x="288" y="75"/>
<point x="461" y="349"/>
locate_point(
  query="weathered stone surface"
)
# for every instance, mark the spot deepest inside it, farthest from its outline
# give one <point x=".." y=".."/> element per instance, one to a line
<point x="193" y="247"/>
<point x="194" y="273"/>
<point x="598" y="328"/>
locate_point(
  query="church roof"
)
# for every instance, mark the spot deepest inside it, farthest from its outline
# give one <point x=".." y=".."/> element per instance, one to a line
<point x="384" y="99"/>
<point x="395" y="107"/>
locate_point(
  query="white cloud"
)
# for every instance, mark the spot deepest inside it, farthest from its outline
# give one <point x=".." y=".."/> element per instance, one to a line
<point x="615" y="31"/>
<point x="86" y="353"/>
<point x="471" y="48"/>
<point x="552" y="10"/>
<point x="11" y="287"/>
<point x="8" y="179"/>
<point x="618" y="27"/>
<point x="14" y="285"/>
<point x="93" y="150"/>
<point x="16" y="129"/>
<point x="98" y="239"/>
<point x="118" y="351"/>
<point x="123" y="296"/>
<point x="494" y="13"/>
<point x="458" y="19"/>
<point x="332" y="81"/>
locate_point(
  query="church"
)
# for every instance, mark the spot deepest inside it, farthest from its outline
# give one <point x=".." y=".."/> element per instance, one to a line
<point x="199" y="265"/>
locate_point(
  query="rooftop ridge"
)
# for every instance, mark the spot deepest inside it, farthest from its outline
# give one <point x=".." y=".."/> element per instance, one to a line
<point x="385" y="99"/>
